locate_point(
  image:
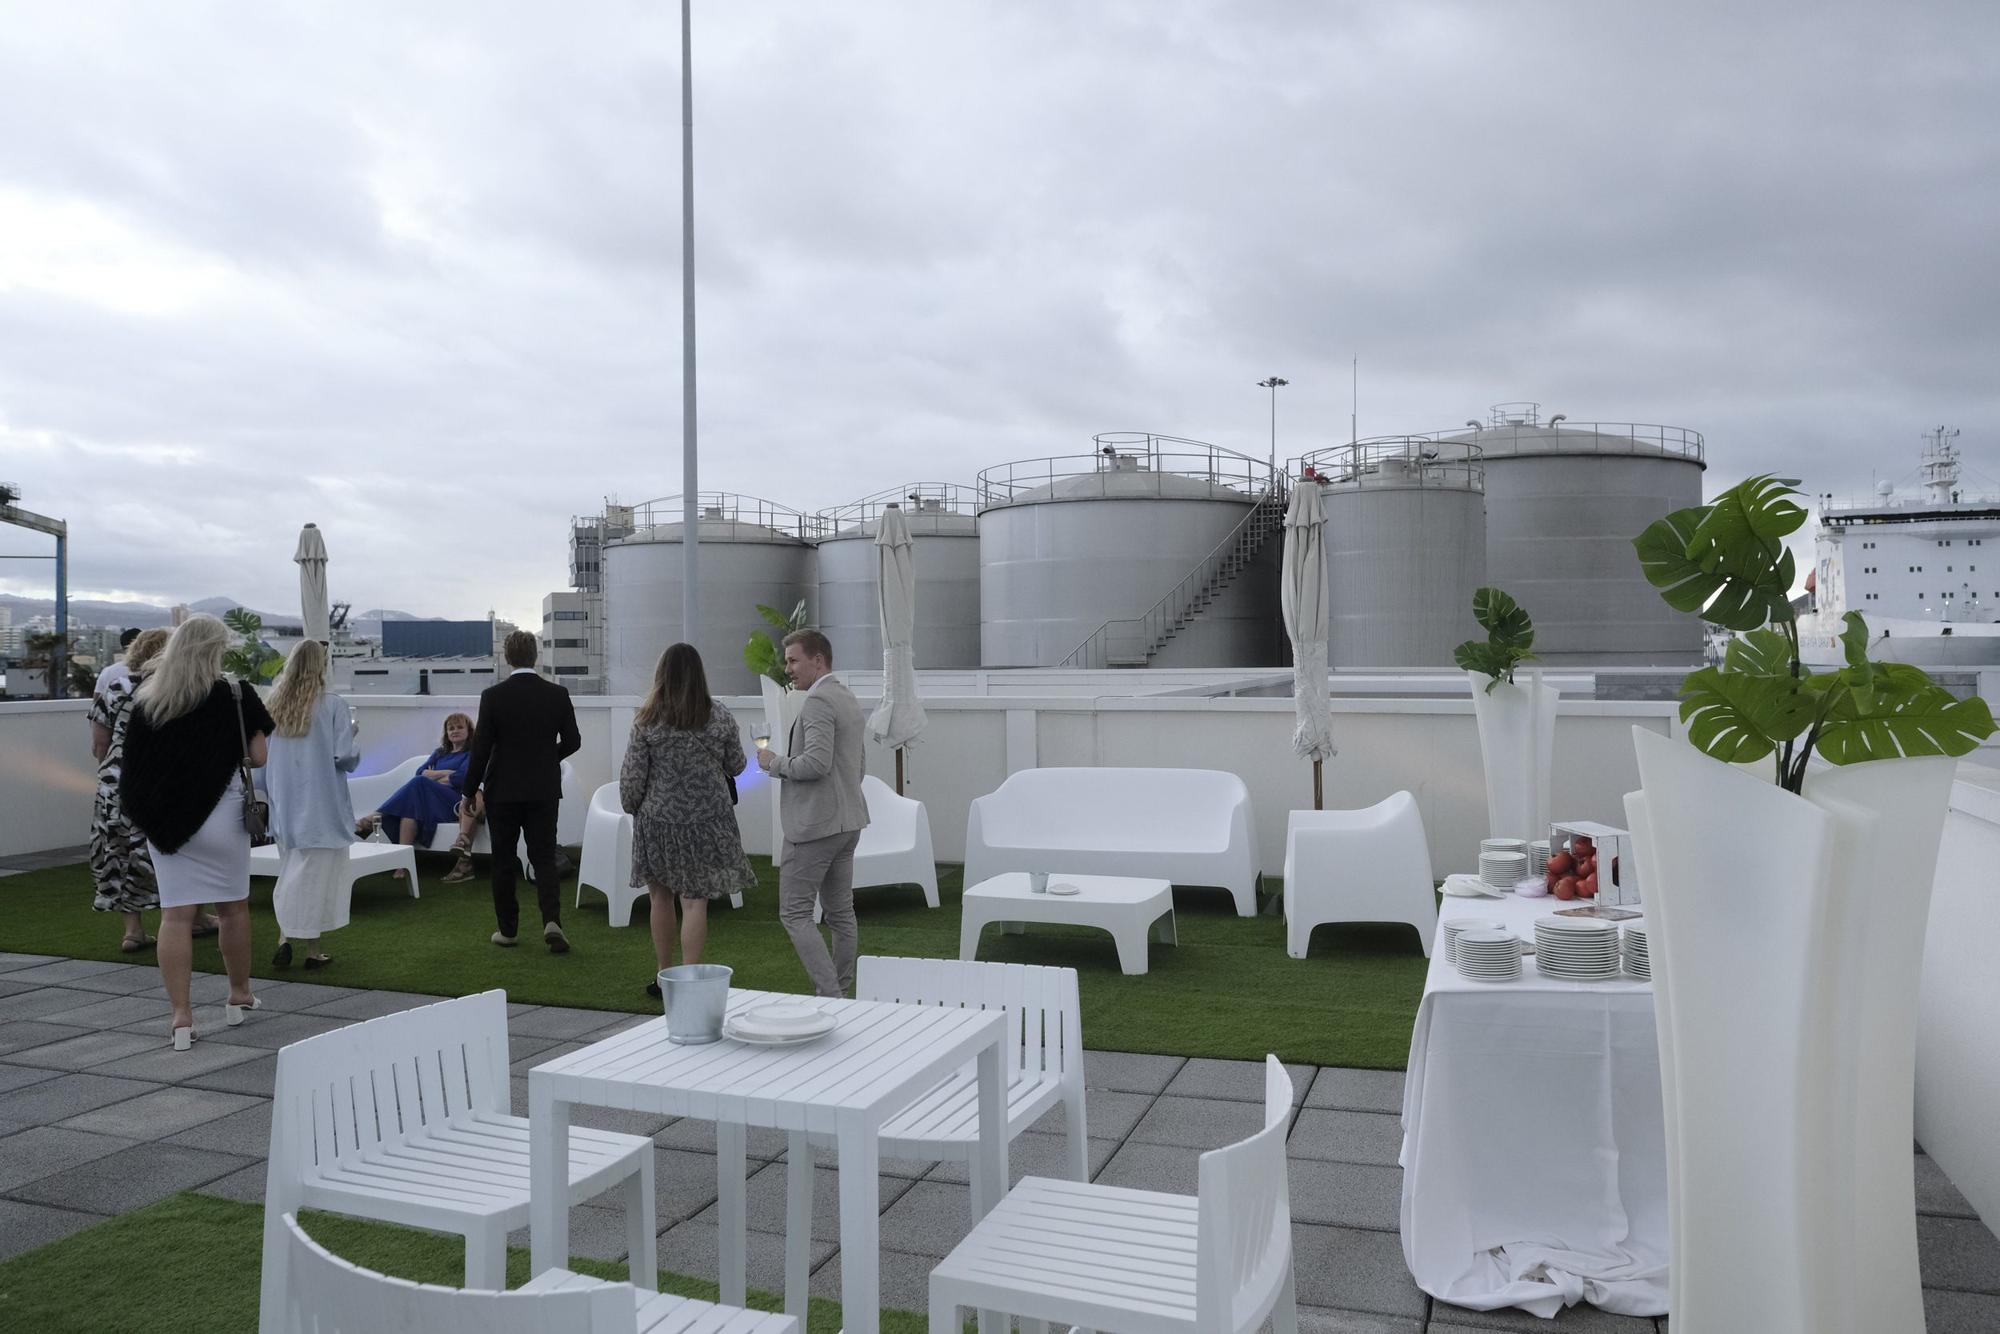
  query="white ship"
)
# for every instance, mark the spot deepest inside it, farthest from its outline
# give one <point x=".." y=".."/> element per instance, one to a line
<point x="1924" y="569"/>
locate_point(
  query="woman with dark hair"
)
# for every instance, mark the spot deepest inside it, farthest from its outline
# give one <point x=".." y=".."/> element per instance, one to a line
<point x="676" y="782"/>
<point x="432" y="798"/>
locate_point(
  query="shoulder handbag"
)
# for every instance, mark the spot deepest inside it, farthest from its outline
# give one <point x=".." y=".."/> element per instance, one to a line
<point x="256" y="809"/>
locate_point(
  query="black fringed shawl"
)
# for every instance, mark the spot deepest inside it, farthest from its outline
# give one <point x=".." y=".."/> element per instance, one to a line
<point x="174" y="774"/>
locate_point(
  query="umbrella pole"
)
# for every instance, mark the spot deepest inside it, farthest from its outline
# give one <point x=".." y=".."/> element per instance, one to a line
<point x="1319" y="798"/>
<point x="899" y="771"/>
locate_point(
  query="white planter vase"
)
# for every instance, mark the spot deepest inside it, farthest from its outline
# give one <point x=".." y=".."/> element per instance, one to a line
<point x="1517" y="744"/>
<point x="781" y="710"/>
<point x="1785" y="933"/>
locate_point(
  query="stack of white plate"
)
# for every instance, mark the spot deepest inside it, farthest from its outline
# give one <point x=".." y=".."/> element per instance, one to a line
<point x="1577" y="949"/>
<point x="1451" y="926"/>
<point x="1503" y="870"/>
<point x="779" y="1024"/>
<point x="1538" y="857"/>
<point x="1488" y="956"/>
<point x="1637" y="961"/>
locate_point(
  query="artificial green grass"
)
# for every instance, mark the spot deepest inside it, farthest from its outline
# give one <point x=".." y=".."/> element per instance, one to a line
<point x="1227" y="990"/>
<point x="191" y="1264"/>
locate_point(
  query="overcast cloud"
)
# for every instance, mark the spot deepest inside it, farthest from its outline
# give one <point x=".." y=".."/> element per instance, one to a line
<point x="413" y="271"/>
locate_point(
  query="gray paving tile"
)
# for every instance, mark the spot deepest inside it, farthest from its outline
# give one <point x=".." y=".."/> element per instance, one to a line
<point x="828" y="1155"/>
<point x="905" y="1281"/>
<point x="99" y="1011"/>
<point x="161" y="1113"/>
<point x="1162" y="1167"/>
<point x="44" y="1001"/>
<point x="272" y="1031"/>
<point x="928" y="1219"/>
<point x="63" y="970"/>
<point x="244" y="1130"/>
<point x="1107" y="1114"/>
<point x="1240" y="1081"/>
<point x="168" y="1066"/>
<point x="1357" y="1090"/>
<point x="374" y="1004"/>
<point x="10" y="963"/>
<point x="1352" y="1269"/>
<point x="23" y="1227"/>
<point x="515" y="1009"/>
<point x="623" y="1023"/>
<point x="131" y="1178"/>
<point x="683" y="1185"/>
<point x="65" y="1096"/>
<point x="14" y="988"/>
<point x="1936" y="1194"/>
<point x="526" y="1051"/>
<point x="289" y="996"/>
<point x="1346" y="1137"/>
<point x="245" y="1185"/>
<point x="692" y="1248"/>
<point x="1583" y="1317"/>
<point x="697" y="1136"/>
<point x="212" y="989"/>
<point x="1952" y="1253"/>
<point x="258" y="1077"/>
<point x="85" y="1050"/>
<point x="127" y="980"/>
<point x="20" y="1076"/>
<point x="1130" y="1072"/>
<point x="41" y="1150"/>
<point x="764" y="1199"/>
<point x="561" y="1024"/>
<point x="21" y="1034"/>
<point x="594" y="1233"/>
<point x="1347" y="1195"/>
<point x="1944" y="1312"/>
<point x="1199" y="1123"/>
<point x="1035" y="1153"/>
<point x="1314" y="1320"/>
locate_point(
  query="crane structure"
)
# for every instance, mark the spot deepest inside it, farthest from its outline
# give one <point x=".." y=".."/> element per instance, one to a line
<point x="12" y="513"/>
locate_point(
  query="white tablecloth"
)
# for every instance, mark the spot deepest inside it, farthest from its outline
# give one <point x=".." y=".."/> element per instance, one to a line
<point x="1534" y="1141"/>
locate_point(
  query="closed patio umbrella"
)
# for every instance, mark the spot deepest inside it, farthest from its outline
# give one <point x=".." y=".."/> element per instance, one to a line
<point x="900" y="716"/>
<point x="311" y="558"/>
<point x="1305" y="604"/>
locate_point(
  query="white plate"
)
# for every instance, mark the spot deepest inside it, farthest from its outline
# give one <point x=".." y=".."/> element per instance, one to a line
<point x="1469" y="887"/>
<point x="778" y="1017"/>
<point x="732" y="1030"/>
<point x="1064" y="889"/>
<point x="1580" y="926"/>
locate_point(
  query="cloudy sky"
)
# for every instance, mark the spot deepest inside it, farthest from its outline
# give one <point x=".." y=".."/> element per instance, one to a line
<point x="413" y="271"/>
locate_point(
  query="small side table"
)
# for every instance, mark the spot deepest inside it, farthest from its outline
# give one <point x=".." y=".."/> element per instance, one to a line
<point x="1132" y="909"/>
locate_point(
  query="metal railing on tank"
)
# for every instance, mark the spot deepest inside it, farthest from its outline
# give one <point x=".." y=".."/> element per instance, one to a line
<point x="1400" y="460"/>
<point x="1128" y="452"/>
<point x="729" y="507"/>
<point x="916" y="498"/>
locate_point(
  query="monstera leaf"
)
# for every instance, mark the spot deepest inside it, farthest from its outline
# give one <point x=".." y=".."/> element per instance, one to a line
<point x="762" y="654"/>
<point x="1759" y="653"/>
<point x="1727" y="560"/>
<point x="1510" y="635"/>
<point x="1737" y="717"/>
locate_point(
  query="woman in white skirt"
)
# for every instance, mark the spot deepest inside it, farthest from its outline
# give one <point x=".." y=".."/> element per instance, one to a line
<point x="188" y="738"/>
<point x="312" y="753"/>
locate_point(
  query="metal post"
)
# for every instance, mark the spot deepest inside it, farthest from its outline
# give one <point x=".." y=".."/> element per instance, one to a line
<point x="690" y="480"/>
<point x="1274" y="384"/>
<point x="59" y="677"/>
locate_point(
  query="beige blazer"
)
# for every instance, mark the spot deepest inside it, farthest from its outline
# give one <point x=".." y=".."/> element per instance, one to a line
<point x="822" y="796"/>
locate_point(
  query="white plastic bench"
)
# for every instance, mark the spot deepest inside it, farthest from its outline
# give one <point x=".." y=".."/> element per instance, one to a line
<point x="362" y="859"/>
<point x="1109" y="1258"/>
<point x="1188" y="826"/>
<point x="404" y="1119"/>
<point x="895" y="848"/>
<point x="328" y="1295"/>
<point x="606" y="864"/>
<point x="369" y="791"/>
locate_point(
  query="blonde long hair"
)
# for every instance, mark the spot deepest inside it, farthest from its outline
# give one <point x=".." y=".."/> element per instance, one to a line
<point x="299" y="688"/>
<point x="144" y="649"/>
<point x="187" y="670"/>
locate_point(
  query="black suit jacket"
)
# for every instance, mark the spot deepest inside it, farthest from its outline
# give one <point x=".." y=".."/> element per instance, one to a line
<point x="526" y="728"/>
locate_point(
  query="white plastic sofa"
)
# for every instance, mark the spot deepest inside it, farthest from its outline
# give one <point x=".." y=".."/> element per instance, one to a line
<point x="404" y="1119"/>
<point x="328" y="1295"/>
<point x="369" y="791"/>
<point x="1187" y="826"/>
<point x="1371" y="865"/>
<point x="362" y="859"/>
<point x="606" y="865"/>
<point x="895" y="848"/>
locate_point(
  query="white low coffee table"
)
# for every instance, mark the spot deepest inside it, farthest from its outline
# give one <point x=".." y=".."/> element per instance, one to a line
<point x="1133" y="910"/>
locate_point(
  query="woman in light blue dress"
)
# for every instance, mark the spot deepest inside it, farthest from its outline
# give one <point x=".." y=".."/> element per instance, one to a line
<point x="312" y="816"/>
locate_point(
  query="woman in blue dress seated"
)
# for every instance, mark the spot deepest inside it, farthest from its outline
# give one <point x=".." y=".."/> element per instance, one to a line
<point x="433" y="798"/>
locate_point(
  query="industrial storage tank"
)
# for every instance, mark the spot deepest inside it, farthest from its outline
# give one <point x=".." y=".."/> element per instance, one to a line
<point x="944" y="549"/>
<point x="1405" y="546"/>
<point x="752" y="551"/>
<point x="1563" y="502"/>
<point x="1152" y="550"/>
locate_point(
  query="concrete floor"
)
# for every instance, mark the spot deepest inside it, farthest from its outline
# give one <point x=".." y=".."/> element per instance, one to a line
<point x="97" y="1117"/>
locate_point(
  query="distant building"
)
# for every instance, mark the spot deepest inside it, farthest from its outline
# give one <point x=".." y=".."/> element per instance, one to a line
<point x="573" y="642"/>
<point x="430" y="639"/>
<point x="462" y="675"/>
<point x="10" y="638"/>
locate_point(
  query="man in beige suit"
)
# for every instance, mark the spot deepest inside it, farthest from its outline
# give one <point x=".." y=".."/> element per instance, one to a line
<point x="823" y="812"/>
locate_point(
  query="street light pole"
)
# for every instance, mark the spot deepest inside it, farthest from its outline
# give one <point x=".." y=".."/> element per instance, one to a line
<point x="690" y="479"/>
<point x="1274" y="384"/>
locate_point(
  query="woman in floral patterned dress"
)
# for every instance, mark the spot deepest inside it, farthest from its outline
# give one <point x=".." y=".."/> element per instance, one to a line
<point x="119" y="864"/>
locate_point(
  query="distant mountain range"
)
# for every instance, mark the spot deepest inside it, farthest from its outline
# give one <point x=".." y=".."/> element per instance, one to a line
<point x="145" y="615"/>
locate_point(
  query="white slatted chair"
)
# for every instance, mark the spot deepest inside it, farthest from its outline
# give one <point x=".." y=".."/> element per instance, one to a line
<point x="895" y="847"/>
<point x="606" y="864"/>
<point x="330" y="1296"/>
<point x="1371" y="865"/>
<point x="404" y="1119"/>
<point x="1103" y="1257"/>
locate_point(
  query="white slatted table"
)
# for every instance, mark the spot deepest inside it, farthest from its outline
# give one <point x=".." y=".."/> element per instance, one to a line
<point x="878" y="1061"/>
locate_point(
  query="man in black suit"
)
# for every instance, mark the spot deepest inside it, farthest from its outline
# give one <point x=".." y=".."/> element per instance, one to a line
<point x="527" y="726"/>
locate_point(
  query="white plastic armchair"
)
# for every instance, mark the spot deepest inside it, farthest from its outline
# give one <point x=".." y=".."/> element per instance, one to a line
<point x="607" y="857"/>
<point x="1371" y="865"/>
<point x="895" y="848"/>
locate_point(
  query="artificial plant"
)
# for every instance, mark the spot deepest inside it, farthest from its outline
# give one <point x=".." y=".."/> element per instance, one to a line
<point x="1510" y="638"/>
<point x="251" y="659"/>
<point x="762" y="654"/>
<point x="1727" y="562"/>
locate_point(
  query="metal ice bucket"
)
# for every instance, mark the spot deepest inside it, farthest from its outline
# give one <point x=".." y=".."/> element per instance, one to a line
<point x="695" y="995"/>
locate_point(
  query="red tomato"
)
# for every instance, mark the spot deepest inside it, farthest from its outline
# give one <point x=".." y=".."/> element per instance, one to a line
<point x="1587" y="887"/>
<point x="1586" y="866"/>
<point x="1580" y="845"/>
<point x="1566" y="887"/>
<point x="1561" y="864"/>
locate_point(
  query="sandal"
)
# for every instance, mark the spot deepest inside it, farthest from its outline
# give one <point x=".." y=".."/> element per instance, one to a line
<point x="133" y="944"/>
<point x="318" y="960"/>
<point x="459" y="873"/>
